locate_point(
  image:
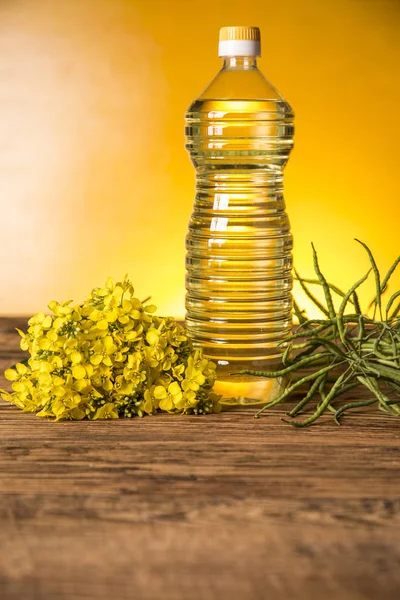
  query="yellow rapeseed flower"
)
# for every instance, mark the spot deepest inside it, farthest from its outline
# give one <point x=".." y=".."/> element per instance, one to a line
<point x="109" y="357"/>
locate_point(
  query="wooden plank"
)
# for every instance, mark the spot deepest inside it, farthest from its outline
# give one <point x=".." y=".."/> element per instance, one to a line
<point x="214" y="507"/>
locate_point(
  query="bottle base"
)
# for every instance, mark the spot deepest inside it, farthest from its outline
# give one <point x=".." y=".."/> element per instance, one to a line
<point x="247" y="390"/>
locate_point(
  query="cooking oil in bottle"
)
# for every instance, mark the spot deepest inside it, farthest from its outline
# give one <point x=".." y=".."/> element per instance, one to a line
<point x="239" y="134"/>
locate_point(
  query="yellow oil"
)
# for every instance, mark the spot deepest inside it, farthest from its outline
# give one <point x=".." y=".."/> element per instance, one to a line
<point x="239" y="261"/>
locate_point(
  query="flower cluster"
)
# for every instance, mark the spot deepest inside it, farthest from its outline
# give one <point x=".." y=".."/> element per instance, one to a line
<point x="107" y="358"/>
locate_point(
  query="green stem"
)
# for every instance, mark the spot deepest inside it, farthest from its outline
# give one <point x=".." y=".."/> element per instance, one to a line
<point x="293" y="387"/>
<point x="272" y="374"/>
<point x="321" y="408"/>
<point x="299" y="407"/>
<point x="351" y="405"/>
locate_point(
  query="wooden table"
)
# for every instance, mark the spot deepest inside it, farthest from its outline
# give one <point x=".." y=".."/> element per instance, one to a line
<point x="197" y="508"/>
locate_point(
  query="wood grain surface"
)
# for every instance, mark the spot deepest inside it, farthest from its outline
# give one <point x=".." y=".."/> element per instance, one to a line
<point x="197" y="508"/>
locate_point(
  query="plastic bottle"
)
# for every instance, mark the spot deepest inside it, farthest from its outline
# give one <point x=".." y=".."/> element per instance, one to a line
<point x="239" y="133"/>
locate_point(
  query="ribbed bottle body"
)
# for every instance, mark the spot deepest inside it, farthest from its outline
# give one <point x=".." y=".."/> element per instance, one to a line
<point x="239" y="260"/>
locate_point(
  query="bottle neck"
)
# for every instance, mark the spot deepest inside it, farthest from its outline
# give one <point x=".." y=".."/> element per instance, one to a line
<point x="240" y="63"/>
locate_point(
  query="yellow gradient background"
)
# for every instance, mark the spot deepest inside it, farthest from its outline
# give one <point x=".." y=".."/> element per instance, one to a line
<point x="94" y="177"/>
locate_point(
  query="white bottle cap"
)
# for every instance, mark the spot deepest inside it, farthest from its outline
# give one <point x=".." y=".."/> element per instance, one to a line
<point x="239" y="41"/>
